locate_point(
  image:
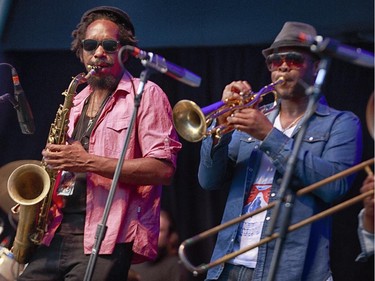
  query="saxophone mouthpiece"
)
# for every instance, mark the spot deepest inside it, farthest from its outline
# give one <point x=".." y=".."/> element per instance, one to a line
<point x="92" y="70"/>
<point x="93" y="67"/>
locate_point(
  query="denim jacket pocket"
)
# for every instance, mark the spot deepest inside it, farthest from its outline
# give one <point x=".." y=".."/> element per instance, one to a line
<point x="248" y="144"/>
<point x="309" y="138"/>
<point x="316" y="141"/>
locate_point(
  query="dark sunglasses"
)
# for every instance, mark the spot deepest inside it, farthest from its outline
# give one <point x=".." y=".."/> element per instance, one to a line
<point x="109" y="45"/>
<point x="294" y="60"/>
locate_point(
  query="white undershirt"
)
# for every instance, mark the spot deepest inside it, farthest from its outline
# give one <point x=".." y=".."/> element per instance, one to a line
<point x="288" y="131"/>
<point x="250" y="229"/>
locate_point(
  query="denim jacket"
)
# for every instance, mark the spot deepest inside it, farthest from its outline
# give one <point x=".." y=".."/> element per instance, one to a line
<point x="332" y="143"/>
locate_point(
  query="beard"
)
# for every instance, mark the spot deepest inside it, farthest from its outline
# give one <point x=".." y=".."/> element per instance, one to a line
<point x="107" y="82"/>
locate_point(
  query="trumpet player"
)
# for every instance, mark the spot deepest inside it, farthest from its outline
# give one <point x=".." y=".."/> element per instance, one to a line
<point x="254" y="156"/>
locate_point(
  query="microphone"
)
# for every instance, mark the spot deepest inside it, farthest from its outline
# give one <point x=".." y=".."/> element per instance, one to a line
<point x="162" y="65"/>
<point x="24" y="114"/>
<point x="335" y="49"/>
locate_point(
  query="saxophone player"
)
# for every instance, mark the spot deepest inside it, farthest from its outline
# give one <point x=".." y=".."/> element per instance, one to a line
<point x="98" y="125"/>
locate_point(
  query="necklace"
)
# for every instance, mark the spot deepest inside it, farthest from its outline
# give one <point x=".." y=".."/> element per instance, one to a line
<point x="94" y="113"/>
<point x="92" y="116"/>
<point x="291" y="125"/>
<point x="89" y="124"/>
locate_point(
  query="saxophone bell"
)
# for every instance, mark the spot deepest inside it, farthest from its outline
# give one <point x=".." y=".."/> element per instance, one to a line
<point x="28" y="185"/>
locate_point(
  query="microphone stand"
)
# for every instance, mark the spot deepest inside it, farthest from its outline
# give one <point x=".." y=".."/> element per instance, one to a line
<point x="102" y="227"/>
<point x="286" y="194"/>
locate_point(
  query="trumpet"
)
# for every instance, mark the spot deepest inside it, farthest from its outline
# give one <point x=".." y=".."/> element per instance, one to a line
<point x="191" y="121"/>
<point x="205" y="234"/>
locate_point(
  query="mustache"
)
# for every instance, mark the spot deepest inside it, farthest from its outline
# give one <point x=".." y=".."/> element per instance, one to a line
<point x="100" y="63"/>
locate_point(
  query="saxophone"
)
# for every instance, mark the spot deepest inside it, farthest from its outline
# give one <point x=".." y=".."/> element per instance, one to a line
<point x="32" y="186"/>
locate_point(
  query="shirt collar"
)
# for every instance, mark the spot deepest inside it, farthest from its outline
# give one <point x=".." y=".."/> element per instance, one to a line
<point x="322" y="109"/>
<point x="125" y="86"/>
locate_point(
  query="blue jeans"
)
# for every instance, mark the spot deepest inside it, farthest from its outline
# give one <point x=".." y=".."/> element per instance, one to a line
<point x="236" y="273"/>
<point x="64" y="260"/>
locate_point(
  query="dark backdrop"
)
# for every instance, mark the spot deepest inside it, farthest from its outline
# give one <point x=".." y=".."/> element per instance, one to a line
<point x="45" y="74"/>
<point x="45" y="24"/>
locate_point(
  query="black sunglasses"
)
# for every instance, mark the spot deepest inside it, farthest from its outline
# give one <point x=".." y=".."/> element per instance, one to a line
<point x="294" y="60"/>
<point x="109" y="45"/>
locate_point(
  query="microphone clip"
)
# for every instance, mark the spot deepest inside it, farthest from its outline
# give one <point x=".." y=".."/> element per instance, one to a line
<point x="154" y="61"/>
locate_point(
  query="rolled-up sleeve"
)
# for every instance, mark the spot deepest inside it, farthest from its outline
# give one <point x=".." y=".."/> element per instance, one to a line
<point x="159" y="138"/>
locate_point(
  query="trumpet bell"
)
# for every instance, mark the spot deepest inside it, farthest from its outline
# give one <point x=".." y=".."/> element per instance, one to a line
<point x="189" y="121"/>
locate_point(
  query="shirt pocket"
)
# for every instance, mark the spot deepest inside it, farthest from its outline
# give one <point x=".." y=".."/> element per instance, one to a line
<point x="116" y="131"/>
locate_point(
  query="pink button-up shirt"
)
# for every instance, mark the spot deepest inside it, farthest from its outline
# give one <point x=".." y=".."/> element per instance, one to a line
<point x="134" y="215"/>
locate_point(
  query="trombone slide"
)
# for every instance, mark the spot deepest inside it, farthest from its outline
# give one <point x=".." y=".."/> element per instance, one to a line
<point x="204" y="267"/>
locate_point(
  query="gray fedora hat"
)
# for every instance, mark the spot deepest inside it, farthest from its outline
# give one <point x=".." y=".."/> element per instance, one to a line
<point x="289" y="36"/>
